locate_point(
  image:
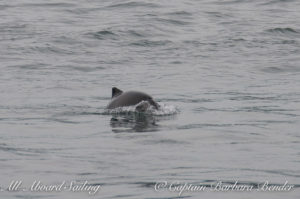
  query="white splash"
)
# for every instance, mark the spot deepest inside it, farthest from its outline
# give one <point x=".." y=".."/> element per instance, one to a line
<point x="163" y="110"/>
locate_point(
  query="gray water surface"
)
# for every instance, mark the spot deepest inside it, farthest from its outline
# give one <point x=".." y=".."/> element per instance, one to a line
<point x="231" y="69"/>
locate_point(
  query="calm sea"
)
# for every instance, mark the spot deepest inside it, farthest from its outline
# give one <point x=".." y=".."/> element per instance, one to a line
<point x="226" y="72"/>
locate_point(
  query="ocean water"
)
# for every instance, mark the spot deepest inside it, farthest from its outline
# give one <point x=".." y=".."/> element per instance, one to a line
<point x="226" y="72"/>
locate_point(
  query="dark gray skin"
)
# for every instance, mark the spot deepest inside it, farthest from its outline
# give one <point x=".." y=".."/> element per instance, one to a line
<point x="129" y="98"/>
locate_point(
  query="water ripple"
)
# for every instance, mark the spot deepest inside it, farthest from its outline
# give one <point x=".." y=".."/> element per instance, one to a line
<point x="271" y="2"/>
<point x="283" y="31"/>
<point x="173" y="22"/>
<point x="151" y="43"/>
<point x="133" y="4"/>
<point x="180" y="13"/>
<point x="55" y="5"/>
<point x="103" y="34"/>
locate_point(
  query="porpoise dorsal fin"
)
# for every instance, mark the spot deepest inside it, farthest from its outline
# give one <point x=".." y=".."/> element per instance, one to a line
<point x="116" y="92"/>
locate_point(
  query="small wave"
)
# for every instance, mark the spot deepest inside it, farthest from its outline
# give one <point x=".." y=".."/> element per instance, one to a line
<point x="277" y="1"/>
<point x="219" y="14"/>
<point x="250" y="98"/>
<point x="65" y="40"/>
<point x="86" y="173"/>
<point x="283" y="31"/>
<point x="285" y="69"/>
<point x="12" y="27"/>
<point x="3" y="7"/>
<point x="30" y="66"/>
<point x="133" y="4"/>
<point x="145" y="184"/>
<point x="288" y="42"/>
<point x="164" y="141"/>
<point x="21" y="151"/>
<point x="81" y="68"/>
<point x="103" y="34"/>
<point x="58" y="5"/>
<point x="81" y="10"/>
<point x="149" y="43"/>
<point x="136" y="33"/>
<point x="51" y="49"/>
<point x="173" y="21"/>
<point x="229" y="2"/>
<point x="204" y="125"/>
<point x="180" y="13"/>
<point x="272" y="69"/>
<point x="276" y="172"/>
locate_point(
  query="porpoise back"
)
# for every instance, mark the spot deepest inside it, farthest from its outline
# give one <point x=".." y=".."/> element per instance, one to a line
<point x="129" y="98"/>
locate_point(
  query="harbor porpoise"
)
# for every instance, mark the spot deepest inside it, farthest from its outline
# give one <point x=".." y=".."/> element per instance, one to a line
<point x="129" y="98"/>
